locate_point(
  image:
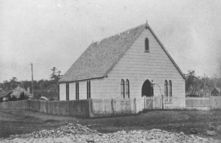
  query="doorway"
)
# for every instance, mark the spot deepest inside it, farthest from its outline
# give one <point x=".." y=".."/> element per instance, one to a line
<point x="147" y="89"/>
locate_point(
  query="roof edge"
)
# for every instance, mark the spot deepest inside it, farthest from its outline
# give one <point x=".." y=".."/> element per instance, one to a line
<point x="169" y="56"/>
<point x="82" y="80"/>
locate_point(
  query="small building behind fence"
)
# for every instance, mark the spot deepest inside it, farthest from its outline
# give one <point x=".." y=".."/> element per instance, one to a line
<point x="215" y="92"/>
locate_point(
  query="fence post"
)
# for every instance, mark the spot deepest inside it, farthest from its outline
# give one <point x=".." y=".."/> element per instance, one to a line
<point x="46" y="107"/>
<point x="28" y="107"/>
<point x="210" y="105"/>
<point x="162" y="102"/>
<point x="144" y="105"/>
<point x="112" y="106"/>
<point x="90" y="108"/>
<point x="135" y="105"/>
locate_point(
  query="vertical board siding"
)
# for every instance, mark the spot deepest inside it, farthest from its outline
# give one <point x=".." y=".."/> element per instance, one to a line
<point x="104" y="107"/>
<point x="82" y="90"/>
<point x="67" y="91"/>
<point x="198" y="103"/>
<point x="112" y="107"/>
<point x="72" y="92"/>
<point x="138" y="66"/>
<point x="215" y="102"/>
<point x="62" y="90"/>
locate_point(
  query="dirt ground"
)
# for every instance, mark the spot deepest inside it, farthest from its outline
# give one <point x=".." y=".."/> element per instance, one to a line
<point x="189" y="122"/>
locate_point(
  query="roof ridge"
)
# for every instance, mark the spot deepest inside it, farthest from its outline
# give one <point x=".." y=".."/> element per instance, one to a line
<point x="100" y="56"/>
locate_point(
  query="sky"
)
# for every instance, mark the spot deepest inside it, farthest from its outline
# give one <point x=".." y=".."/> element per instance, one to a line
<point x="52" y="33"/>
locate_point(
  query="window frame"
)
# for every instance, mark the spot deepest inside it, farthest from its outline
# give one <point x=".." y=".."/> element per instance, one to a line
<point x="77" y="90"/>
<point x="88" y="89"/>
<point x="146" y="45"/>
<point x="170" y="91"/>
<point x="67" y="92"/>
<point x="166" y="90"/>
<point x="122" y="88"/>
<point x="127" y="88"/>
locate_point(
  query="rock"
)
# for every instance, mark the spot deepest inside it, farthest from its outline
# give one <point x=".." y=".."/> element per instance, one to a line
<point x="77" y="133"/>
<point x="193" y="131"/>
<point x="181" y="133"/>
<point x="210" y="133"/>
<point x="211" y="126"/>
<point x="218" y="128"/>
<point x="90" y="141"/>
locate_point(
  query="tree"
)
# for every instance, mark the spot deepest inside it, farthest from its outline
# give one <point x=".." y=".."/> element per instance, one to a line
<point x="200" y="86"/>
<point x="55" y="75"/>
<point x="193" y="83"/>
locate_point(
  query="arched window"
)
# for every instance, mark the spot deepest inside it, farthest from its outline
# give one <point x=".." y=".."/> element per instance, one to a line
<point x="170" y="90"/>
<point x="122" y="88"/>
<point x="147" y="45"/>
<point x="166" y="89"/>
<point x="127" y="88"/>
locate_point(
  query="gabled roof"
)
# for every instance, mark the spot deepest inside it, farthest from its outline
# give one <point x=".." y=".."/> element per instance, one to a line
<point x="100" y="57"/>
<point x="4" y="93"/>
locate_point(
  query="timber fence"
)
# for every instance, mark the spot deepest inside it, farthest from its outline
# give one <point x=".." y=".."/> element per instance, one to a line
<point x="107" y="107"/>
<point x="203" y="103"/>
<point x="80" y="108"/>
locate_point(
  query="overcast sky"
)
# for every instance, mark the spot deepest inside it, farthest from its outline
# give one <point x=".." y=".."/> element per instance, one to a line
<point x="55" y="32"/>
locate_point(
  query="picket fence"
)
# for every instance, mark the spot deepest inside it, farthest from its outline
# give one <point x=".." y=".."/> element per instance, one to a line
<point x="106" y="107"/>
<point x="203" y="103"/>
<point x="81" y="108"/>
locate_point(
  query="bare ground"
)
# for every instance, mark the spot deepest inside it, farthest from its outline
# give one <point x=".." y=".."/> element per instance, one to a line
<point x="189" y="122"/>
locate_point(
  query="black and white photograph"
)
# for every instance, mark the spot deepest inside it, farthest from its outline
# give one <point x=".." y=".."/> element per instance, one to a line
<point x="110" y="71"/>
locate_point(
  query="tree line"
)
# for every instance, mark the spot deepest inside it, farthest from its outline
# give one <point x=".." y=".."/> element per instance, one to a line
<point x="196" y="86"/>
<point x="201" y="86"/>
<point x="43" y="87"/>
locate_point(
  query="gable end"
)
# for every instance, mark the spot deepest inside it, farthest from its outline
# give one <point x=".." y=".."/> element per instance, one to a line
<point x="171" y="59"/>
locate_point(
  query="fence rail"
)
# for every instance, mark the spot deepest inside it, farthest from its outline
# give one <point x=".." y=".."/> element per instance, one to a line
<point x="68" y="108"/>
<point x="108" y="107"/>
<point x="80" y="108"/>
<point x="112" y="107"/>
<point x="212" y="102"/>
<point x="215" y="102"/>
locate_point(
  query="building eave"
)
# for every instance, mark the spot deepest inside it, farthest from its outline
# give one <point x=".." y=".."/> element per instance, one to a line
<point x="80" y="80"/>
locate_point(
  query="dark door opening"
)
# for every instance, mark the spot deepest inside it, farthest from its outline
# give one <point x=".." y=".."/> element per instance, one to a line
<point x="147" y="89"/>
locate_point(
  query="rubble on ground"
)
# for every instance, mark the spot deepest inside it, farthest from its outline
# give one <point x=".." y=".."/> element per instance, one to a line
<point x="68" y="129"/>
<point x="211" y="132"/>
<point x="81" y="134"/>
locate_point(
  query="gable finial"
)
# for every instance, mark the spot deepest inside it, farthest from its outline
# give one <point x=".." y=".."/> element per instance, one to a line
<point x="147" y="24"/>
